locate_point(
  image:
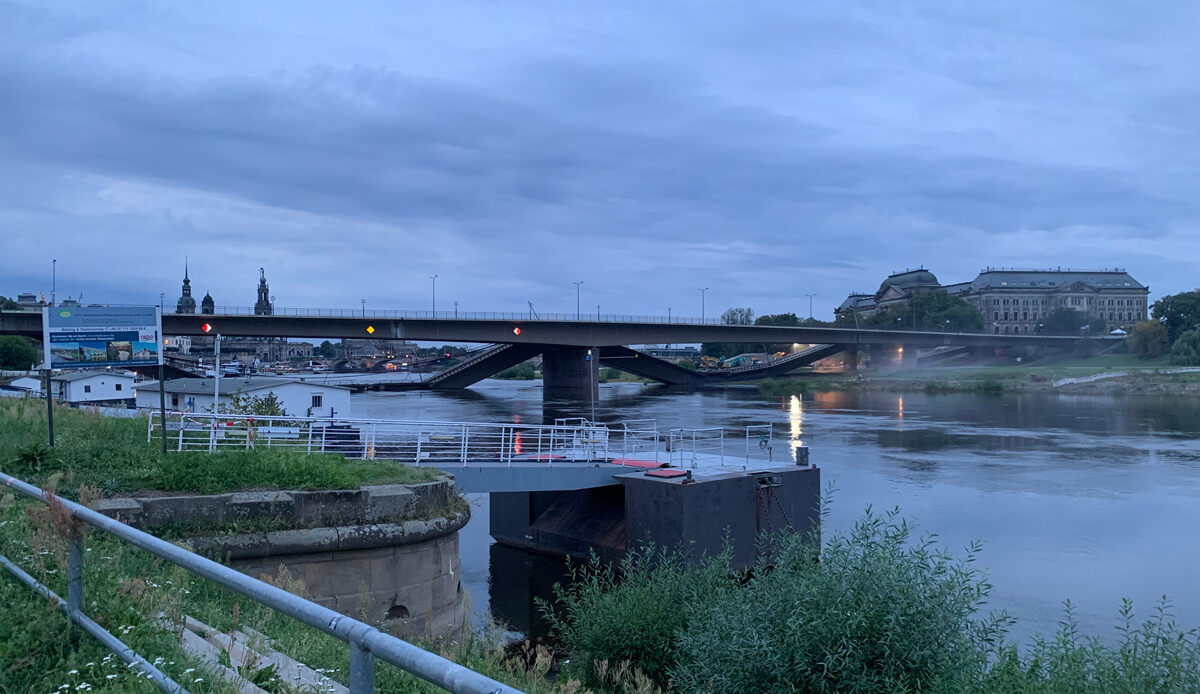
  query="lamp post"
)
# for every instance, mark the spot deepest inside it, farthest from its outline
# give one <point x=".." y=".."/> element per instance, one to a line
<point x="456" y="309"/>
<point x="577" y="284"/>
<point x="597" y="313"/>
<point x="810" y="297"/>
<point x="364" y="307"/>
<point x="433" y="300"/>
<point x="702" y="293"/>
<point x="668" y="314"/>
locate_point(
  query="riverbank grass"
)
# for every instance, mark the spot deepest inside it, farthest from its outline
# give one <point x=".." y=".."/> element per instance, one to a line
<point x="112" y="456"/>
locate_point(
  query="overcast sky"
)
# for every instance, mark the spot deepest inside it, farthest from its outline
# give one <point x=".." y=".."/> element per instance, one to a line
<point x="645" y="148"/>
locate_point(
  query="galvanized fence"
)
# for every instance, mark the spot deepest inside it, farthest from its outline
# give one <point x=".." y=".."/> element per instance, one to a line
<point x="712" y="445"/>
<point x="436" y="444"/>
<point x="366" y="642"/>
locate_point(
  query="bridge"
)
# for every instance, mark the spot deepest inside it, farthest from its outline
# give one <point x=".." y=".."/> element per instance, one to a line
<point x="566" y="342"/>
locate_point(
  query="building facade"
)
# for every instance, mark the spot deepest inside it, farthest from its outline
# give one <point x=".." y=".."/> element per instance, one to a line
<point x="297" y="397"/>
<point x="1015" y="302"/>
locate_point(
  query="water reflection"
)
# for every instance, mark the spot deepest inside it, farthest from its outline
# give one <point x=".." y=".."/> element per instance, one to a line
<point x="1088" y="497"/>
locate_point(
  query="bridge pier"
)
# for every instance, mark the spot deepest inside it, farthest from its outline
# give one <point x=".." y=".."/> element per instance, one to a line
<point x="908" y="356"/>
<point x="569" y="374"/>
<point x="850" y="358"/>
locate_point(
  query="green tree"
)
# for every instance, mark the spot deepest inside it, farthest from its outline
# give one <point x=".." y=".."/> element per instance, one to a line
<point x="738" y="316"/>
<point x="1148" y="339"/>
<point x="16" y="352"/>
<point x="326" y="350"/>
<point x="731" y="316"/>
<point x="785" y="319"/>
<point x="1178" y="313"/>
<point x="1185" y="351"/>
<point x="7" y="304"/>
<point x="937" y="310"/>
<point x="1070" y="323"/>
<point x="267" y="405"/>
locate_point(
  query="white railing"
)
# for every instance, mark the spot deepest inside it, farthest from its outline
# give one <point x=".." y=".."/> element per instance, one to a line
<point x="689" y="446"/>
<point x="697" y="447"/>
<point x="437" y="444"/>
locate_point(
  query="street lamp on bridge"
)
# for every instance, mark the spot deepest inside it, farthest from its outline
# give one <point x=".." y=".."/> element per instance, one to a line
<point x="577" y="298"/>
<point x="702" y="293"/>
<point x="433" y="280"/>
<point x="810" y="296"/>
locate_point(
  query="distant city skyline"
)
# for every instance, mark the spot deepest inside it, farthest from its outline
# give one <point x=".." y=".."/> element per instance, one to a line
<point x="766" y="152"/>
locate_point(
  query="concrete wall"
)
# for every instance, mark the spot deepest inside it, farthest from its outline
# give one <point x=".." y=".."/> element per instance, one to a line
<point x="699" y="514"/>
<point x="409" y="590"/>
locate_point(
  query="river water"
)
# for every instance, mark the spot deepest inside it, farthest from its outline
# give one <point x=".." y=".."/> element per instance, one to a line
<point x="1091" y="498"/>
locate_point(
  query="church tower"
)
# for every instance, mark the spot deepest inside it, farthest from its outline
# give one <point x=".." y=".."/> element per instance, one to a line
<point x="262" y="307"/>
<point x="186" y="303"/>
<point x="207" y="306"/>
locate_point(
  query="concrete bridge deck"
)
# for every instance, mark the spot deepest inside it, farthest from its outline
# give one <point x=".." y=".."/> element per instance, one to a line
<point x="566" y="333"/>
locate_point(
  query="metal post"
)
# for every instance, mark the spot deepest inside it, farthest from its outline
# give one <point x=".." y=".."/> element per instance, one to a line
<point x="75" y="572"/>
<point x="212" y="439"/>
<point x="162" y="408"/>
<point x="433" y="279"/>
<point x="362" y="670"/>
<point x="702" y="293"/>
<point x="49" y="404"/>
<point x="577" y="298"/>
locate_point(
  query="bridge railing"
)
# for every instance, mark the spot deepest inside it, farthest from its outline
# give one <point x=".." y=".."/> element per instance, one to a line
<point x="523" y="316"/>
<point x="421" y="443"/>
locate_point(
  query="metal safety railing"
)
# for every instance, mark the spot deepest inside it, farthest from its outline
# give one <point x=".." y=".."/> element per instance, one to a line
<point x="697" y="447"/>
<point x="437" y="444"/>
<point x="366" y="642"/>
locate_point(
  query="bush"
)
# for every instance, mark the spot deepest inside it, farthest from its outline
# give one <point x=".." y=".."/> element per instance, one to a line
<point x="873" y="610"/>
<point x="1186" y="349"/>
<point x="879" y="612"/>
<point x="524" y="371"/>
<point x="1148" y="339"/>
<point x="630" y="615"/>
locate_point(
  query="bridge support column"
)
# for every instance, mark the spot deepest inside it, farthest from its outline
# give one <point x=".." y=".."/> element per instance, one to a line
<point x="850" y="358"/>
<point x="569" y="374"/>
<point x="908" y="356"/>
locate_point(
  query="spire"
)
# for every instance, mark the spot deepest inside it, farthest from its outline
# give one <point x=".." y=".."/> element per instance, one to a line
<point x="185" y="269"/>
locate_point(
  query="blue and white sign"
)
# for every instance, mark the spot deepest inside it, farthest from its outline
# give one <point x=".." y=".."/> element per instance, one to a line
<point x="100" y="336"/>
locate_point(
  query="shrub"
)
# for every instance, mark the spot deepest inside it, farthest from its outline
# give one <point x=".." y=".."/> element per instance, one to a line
<point x="524" y="371"/>
<point x="879" y="612"/>
<point x="1186" y="349"/>
<point x="630" y="615"/>
<point x="1148" y="339"/>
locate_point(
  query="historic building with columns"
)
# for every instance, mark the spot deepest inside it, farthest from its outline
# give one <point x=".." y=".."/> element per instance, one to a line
<point x="1014" y="302"/>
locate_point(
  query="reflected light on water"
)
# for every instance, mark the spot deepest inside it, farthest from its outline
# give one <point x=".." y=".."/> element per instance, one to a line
<point x="796" y="422"/>
<point x="900" y="406"/>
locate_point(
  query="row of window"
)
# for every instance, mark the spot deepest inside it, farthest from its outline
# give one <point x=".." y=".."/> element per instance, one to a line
<point x="1026" y="315"/>
<point x="88" y="389"/>
<point x="1073" y="301"/>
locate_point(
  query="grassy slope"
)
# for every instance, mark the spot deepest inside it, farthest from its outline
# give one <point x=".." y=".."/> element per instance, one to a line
<point x="113" y="455"/>
<point x="125" y="586"/>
